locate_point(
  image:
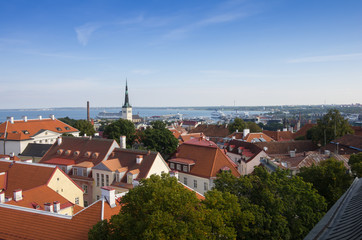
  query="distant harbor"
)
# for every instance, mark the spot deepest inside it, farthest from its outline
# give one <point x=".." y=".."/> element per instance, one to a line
<point x="81" y="113"/>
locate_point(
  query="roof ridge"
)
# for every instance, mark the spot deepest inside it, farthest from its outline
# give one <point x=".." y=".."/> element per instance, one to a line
<point x="30" y="164"/>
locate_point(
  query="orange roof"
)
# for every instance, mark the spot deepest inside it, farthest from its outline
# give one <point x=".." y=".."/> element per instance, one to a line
<point x="39" y="196"/>
<point x="25" y="176"/>
<point x="3" y="180"/>
<point x="186" y="137"/>
<point x="175" y="133"/>
<point x="60" y="161"/>
<point x="198" y="195"/>
<point x="303" y="131"/>
<point x="15" y="158"/>
<point x="208" y="158"/>
<point x="20" y="130"/>
<point x="280" y="135"/>
<point x="85" y="164"/>
<point x="251" y="136"/>
<point x="112" y="164"/>
<point x="80" y="149"/>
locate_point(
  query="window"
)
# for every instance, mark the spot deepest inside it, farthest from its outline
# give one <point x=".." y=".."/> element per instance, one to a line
<point x="206" y="186"/>
<point x="195" y="183"/>
<point x="76" y="200"/>
<point x="97" y="179"/>
<point x="57" y="179"/>
<point x="97" y="197"/>
<point x="80" y="172"/>
<point x="107" y="180"/>
<point x="67" y="128"/>
<point x="85" y="203"/>
<point x="75" y="171"/>
<point x="102" y="179"/>
<point x="129" y="178"/>
<point x="178" y="166"/>
<point x="117" y="177"/>
<point x="185" y="181"/>
<point x="185" y="168"/>
<point x="172" y="165"/>
<point x="85" y="172"/>
<point x="59" y="129"/>
<point x="85" y="188"/>
<point x="25" y="131"/>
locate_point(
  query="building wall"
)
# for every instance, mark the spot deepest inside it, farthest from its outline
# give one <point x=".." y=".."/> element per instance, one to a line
<point x="159" y="166"/>
<point x="200" y="182"/>
<point x="66" y="187"/>
<point x="254" y="162"/>
<point x="127" y="113"/>
<point x="87" y="196"/>
<point x="10" y="146"/>
<point x="97" y="189"/>
<point x="67" y="211"/>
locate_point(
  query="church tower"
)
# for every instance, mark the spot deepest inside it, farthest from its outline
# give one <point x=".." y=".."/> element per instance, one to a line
<point x="126" y="108"/>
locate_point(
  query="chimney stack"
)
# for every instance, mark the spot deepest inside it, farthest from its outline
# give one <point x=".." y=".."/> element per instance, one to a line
<point x="11" y="119"/>
<point x="40" y="117"/>
<point x="139" y="159"/>
<point x="12" y="154"/>
<point x="52" y="116"/>
<point x="59" y="140"/>
<point x="18" y="195"/>
<point x="48" y="207"/>
<point x="88" y="115"/>
<point x="174" y="174"/>
<point x="25" y="118"/>
<point x="2" y="197"/>
<point x="56" y="206"/>
<point x="109" y="194"/>
<point x="122" y="142"/>
<point x="246" y="131"/>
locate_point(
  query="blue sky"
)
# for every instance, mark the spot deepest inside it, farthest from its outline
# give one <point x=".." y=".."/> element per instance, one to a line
<point x="180" y="53"/>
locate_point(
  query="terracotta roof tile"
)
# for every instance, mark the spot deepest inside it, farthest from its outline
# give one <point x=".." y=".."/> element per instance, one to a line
<point x="280" y="135"/>
<point x="286" y="146"/>
<point x="208" y="158"/>
<point x="252" y="136"/>
<point x="20" y="130"/>
<point x="211" y="130"/>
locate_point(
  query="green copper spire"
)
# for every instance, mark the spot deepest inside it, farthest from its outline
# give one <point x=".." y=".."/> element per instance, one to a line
<point x="126" y="100"/>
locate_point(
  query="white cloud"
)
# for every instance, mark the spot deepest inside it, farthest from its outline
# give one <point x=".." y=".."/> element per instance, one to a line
<point x="84" y="32"/>
<point x="329" y="58"/>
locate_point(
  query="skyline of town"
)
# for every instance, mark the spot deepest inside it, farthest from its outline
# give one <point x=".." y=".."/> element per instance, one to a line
<point x="242" y="53"/>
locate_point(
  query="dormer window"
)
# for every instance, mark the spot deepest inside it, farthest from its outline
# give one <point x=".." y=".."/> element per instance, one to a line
<point x="185" y="168"/>
<point x="172" y="165"/>
<point x="67" y="128"/>
<point x="25" y="131"/>
<point x="59" y="129"/>
<point x="129" y="178"/>
<point x="14" y="131"/>
<point x="178" y="167"/>
<point x="60" y="151"/>
<point x="75" y="171"/>
<point x="95" y="155"/>
<point x="87" y="154"/>
<point x="67" y="153"/>
<point x="76" y="153"/>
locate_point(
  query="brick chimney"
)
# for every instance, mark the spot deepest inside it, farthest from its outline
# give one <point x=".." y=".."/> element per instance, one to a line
<point x="48" y="207"/>
<point x="52" y="116"/>
<point x="18" y="195"/>
<point x="40" y="117"/>
<point x="59" y="140"/>
<point x="56" y="205"/>
<point x="109" y="194"/>
<point x="11" y="119"/>
<point x="25" y="118"/>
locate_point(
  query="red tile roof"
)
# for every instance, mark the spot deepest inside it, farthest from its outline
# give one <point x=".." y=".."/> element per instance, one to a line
<point x="251" y="136"/>
<point x="20" y="130"/>
<point x="280" y="135"/>
<point x="80" y="149"/>
<point x="211" y="130"/>
<point x="60" y="161"/>
<point x="303" y="131"/>
<point x="208" y="158"/>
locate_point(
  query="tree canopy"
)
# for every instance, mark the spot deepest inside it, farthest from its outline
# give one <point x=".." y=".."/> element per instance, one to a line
<point x="331" y="126"/>
<point x="239" y="124"/>
<point x="159" y="138"/>
<point x="121" y="127"/>
<point x="280" y="207"/>
<point x="355" y="161"/>
<point x="330" y="178"/>
<point x="83" y="126"/>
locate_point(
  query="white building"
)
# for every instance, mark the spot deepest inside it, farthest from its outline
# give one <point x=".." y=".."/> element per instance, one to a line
<point x="15" y="135"/>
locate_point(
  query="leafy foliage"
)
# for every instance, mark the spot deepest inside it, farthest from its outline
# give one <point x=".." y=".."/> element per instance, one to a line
<point x="329" y="127"/>
<point x="159" y="138"/>
<point x="273" y="126"/>
<point x="355" y="161"/>
<point x="83" y="126"/>
<point x="330" y="178"/>
<point x="121" y="127"/>
<point x="240" y="125"/>
<point x="280" y="207"/>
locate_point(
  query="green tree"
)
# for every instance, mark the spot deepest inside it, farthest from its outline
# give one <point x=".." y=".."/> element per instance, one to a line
<point x="237" y="124"/>
<point x="331" y="126"/>
<point x="159" y="208"/>
<point x="330" y="178"/>
<point x="85" y="127"/>
<point x="282" y="207"/>
<point x="121" y="127"/>
<point x="355" y="161"/>
<point x="160" y="139"/>
<point x="273" y="126"/>
<point x="253" y="127"/>
<point x="68" y="121"/>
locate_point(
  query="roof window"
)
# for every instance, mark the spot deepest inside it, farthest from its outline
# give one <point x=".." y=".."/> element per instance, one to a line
<point x="67" y="128"/>
<point x="60" y="151"/>
<point x="76" y="153"/>
<point x="25" y="131"/>
<point x="59" y="129"/>
<point x="67" y="153"/>
<point x="15" y="132"/>
<point x="95" y="155"/>
<point x="87" y="154"/>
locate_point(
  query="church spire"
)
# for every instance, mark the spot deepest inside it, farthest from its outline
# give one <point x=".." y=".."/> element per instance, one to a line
<point x="126" y="100"/>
